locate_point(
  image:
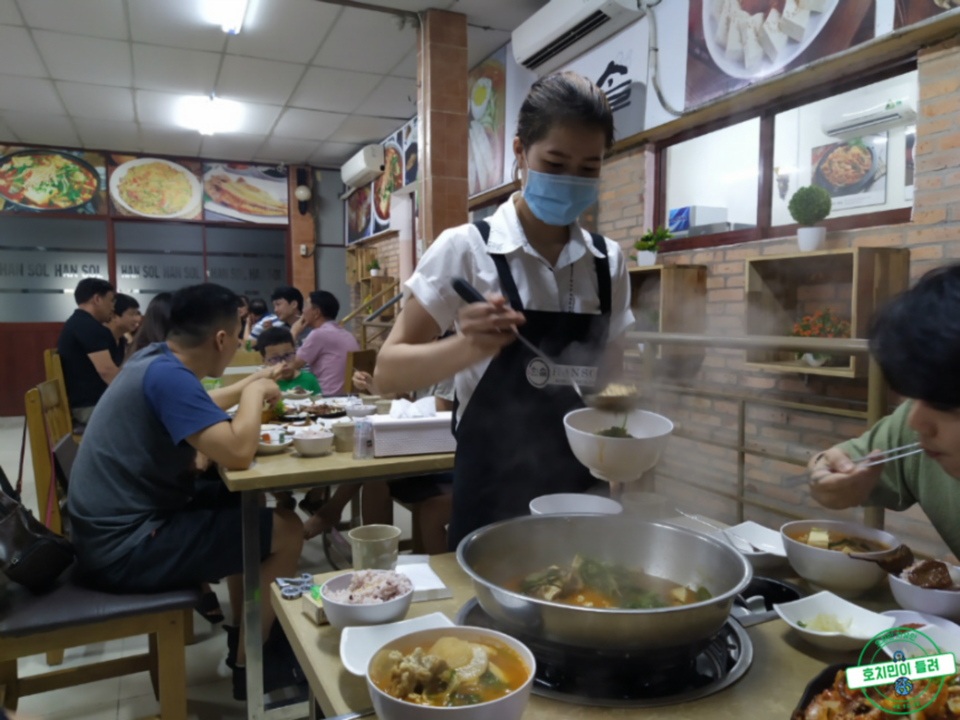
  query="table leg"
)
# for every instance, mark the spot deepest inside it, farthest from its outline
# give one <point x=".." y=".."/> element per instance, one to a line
<point x="312" y="699"/>
<point x="251" y="603"/>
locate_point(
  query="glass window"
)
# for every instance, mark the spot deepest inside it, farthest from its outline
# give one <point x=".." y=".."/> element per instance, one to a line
<point x="157" y="257"/>
<point x="855" y="145"/>
<point x="41" y="262"/>
<point x="250" y="262"/>
<point x="712" y="181"/>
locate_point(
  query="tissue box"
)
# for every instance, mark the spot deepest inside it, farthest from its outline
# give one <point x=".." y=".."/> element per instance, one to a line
<point x="412" y="436"/>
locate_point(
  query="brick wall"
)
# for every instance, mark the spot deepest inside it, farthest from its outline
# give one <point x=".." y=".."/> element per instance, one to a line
<point x="933" y="238"/>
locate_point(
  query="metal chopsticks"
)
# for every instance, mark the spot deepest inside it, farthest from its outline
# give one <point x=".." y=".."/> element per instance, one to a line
<point x="875" y="459"/>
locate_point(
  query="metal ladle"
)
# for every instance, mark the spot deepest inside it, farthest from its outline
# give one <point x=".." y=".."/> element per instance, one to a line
<point x="596" y="400"/>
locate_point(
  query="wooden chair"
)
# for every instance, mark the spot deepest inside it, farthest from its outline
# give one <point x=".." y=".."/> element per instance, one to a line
<point x="54" y="370"/>
<point x="246" y="358"/>
<point x="358" y="360"/>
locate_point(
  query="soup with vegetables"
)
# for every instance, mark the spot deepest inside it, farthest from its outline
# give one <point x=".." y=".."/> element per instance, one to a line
<point x="833" y="540"/>
<point x="594" y="584"/>
<point x="451" y="672"/>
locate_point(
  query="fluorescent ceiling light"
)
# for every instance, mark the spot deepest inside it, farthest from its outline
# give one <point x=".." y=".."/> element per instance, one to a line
<point x="209" y="115"/>
<point x="228" y="14"/>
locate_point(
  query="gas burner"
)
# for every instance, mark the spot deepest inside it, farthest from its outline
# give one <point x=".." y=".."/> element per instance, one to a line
<point x="615" y="679"/>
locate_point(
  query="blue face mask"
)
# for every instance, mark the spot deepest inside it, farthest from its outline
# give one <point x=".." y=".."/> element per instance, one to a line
<point x="559" y="199"/>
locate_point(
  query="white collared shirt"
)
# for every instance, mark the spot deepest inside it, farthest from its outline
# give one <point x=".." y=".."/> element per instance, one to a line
<point x="568" y="286"/>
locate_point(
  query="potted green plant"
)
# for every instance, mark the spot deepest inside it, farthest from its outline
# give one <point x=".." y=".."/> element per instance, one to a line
<point x="808" y="206"/>
<point x="374" y="268"/>
<point x="647" y="246"/>
<point x="822" y="324"/>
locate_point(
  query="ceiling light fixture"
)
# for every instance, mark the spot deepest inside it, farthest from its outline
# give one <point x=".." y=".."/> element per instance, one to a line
<point x="209" y="115"/>
<point x="228" y="14"/>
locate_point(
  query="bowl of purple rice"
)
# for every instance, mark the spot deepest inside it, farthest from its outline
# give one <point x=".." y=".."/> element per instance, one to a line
<point x="366" y="597"/>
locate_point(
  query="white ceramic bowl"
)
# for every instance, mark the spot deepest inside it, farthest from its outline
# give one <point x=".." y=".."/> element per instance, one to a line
<point x="621" y="460"/>
<point x="746" y="536"/>
<point x="313" y="446"/>
<point x="574" y="503"/>
<point x="942" y="603"/>
<point x="830" y="569"/>
<point x="864" y="624"/>
<point x="356" y="411"/>
<point x="510" y="707"/>
<point x="343" y="615"/>
<point x="273" y="448"/>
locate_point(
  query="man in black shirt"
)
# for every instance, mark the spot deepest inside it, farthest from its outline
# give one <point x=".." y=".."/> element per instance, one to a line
<point x="125" y="321"/>
<point x="85" y="347"/>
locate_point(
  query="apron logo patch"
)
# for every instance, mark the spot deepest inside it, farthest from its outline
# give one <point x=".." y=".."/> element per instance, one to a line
<point x="539" y="374"/>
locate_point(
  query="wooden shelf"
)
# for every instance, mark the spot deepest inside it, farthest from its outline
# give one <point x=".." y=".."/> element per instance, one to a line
<point x="852" y="282"/>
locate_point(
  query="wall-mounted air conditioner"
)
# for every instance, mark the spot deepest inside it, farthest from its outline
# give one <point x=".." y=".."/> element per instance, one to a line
<point x="564" y="29"/>
<point x="364" y="167"/>
<point x="841" y="123"/>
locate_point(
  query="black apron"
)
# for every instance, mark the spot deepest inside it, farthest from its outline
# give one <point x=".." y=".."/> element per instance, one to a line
<point x="511" y="444"/>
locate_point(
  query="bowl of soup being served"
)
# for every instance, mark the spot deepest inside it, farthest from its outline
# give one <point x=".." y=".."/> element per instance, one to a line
<point x="819" y="551"/>
<point x="465" y="672"/>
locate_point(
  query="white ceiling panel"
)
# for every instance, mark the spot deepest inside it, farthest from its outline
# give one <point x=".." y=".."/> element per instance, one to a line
<point x="107" y="135"/>
<point x="9" y="15"/>
<point x="18" y="55"/>
<point x="174" y="70"/>
<point x="366" y="41"/>
<point x="231" y="147"/>
<point x="395" y="98"/>
<point x="169" y="141"/>
<point x="333" y="90"/>
<point x="29" y="95"/>
<point x="98" y="18"/>
<point x="176" y="23"/>
<point x="156" y="108"/>
<point x="363" y="129"/>
<point x="290" y="30"/>
<point x="308" y="124"/>
<point x="259" y="81"/>
<point x="258" y="119"/>
<point x="85" y="59"/>
<point x="413" y="5"/>
<point x="408" y="66"/>
<point x="97" y="101"/>
<point x="334" y="154"/>
<point x="41" y="128"/>
<point x="501" y="15"/>
<point x="481" y="44"/>
<point x="287" y="150"/>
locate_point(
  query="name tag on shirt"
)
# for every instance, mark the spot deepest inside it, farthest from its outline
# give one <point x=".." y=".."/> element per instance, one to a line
<point x="539" y="374"/>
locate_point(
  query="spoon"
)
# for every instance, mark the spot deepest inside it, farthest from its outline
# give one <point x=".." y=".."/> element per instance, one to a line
<point x="608" y="403"/>
<point x="893" y="561"/>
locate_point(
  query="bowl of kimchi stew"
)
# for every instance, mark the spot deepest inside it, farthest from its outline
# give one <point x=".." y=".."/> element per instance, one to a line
<point x="47" y="180"/>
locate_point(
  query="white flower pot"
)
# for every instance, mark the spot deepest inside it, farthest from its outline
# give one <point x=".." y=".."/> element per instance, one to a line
<point x="811" y="238"/>
<point x="646" y="258"/>
<point x="814" y="360"/>
<point x="374" y="273"/>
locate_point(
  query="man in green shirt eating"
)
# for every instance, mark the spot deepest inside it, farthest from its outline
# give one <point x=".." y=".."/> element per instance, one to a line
<point x="276" y="346"/>
<point x="916" y="341"/>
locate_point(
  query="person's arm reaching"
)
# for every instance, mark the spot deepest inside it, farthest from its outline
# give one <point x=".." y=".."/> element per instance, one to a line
<point x="104" y="364"/>
<point x="232" y="444"/>
<point x="410" y="360"/>
<point x="227" y="397"/>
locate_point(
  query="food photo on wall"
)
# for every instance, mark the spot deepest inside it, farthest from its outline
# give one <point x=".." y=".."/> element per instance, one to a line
<point x="486" y="105"/>
<point x="155" y="188"/>
<point x="46" y="180"/>
<point x="854" y="172"/>
<point x="734" y="43"/>
<point x="240" y="192"/>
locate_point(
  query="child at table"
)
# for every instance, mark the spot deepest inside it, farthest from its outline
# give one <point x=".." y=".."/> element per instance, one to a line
<point x="276" y="346"/>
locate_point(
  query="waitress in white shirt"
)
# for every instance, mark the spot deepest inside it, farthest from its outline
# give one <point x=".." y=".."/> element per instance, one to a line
<point x="565" y="289"/>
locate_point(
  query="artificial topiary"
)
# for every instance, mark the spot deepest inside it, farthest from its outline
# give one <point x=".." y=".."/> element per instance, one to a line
<point x="809" y="205"/>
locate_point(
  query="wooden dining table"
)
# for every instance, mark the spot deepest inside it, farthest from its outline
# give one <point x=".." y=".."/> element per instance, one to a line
<point x="783" y="664"/>
<point x="290" y="471"/>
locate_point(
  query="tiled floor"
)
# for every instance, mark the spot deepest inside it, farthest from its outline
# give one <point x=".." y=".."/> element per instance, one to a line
<point x="209" y="695"/>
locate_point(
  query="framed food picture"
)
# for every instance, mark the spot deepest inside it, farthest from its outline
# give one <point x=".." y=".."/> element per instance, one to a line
<point x="359" y="214"/>
<point x="486" y="103"/>
<point x="238" y="192"/>
<point x="35" y="180"/>
<point x="853" y="172"/>
<point x="155" y="188"/>
<point x="910" y="12"/>
<point x="411" y="159"/>
<point x="383" y="187"/>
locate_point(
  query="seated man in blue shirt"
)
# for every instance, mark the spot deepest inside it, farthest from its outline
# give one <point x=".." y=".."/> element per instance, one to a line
<point x="141" y="521"/>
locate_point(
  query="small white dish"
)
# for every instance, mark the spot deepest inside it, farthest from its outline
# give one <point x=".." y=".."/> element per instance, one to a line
<point x="273" y="448"/>
<point x="926" y="640"/>
<point x="864" y="624"/>
<point x="940" y="603"/>
<point x="902" y="618"/>
<point x="358" y="644"/>
<point x="355" y="411"/>
<point x="319" y="444"/>
<point x="290" y="395"/>
<point x="741" y="537"/>
<point x="574" y="503"/>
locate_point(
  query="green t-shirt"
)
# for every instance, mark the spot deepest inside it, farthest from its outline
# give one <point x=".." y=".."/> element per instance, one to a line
<point x="303" y="380"/>
<point x="913" y="479"/>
